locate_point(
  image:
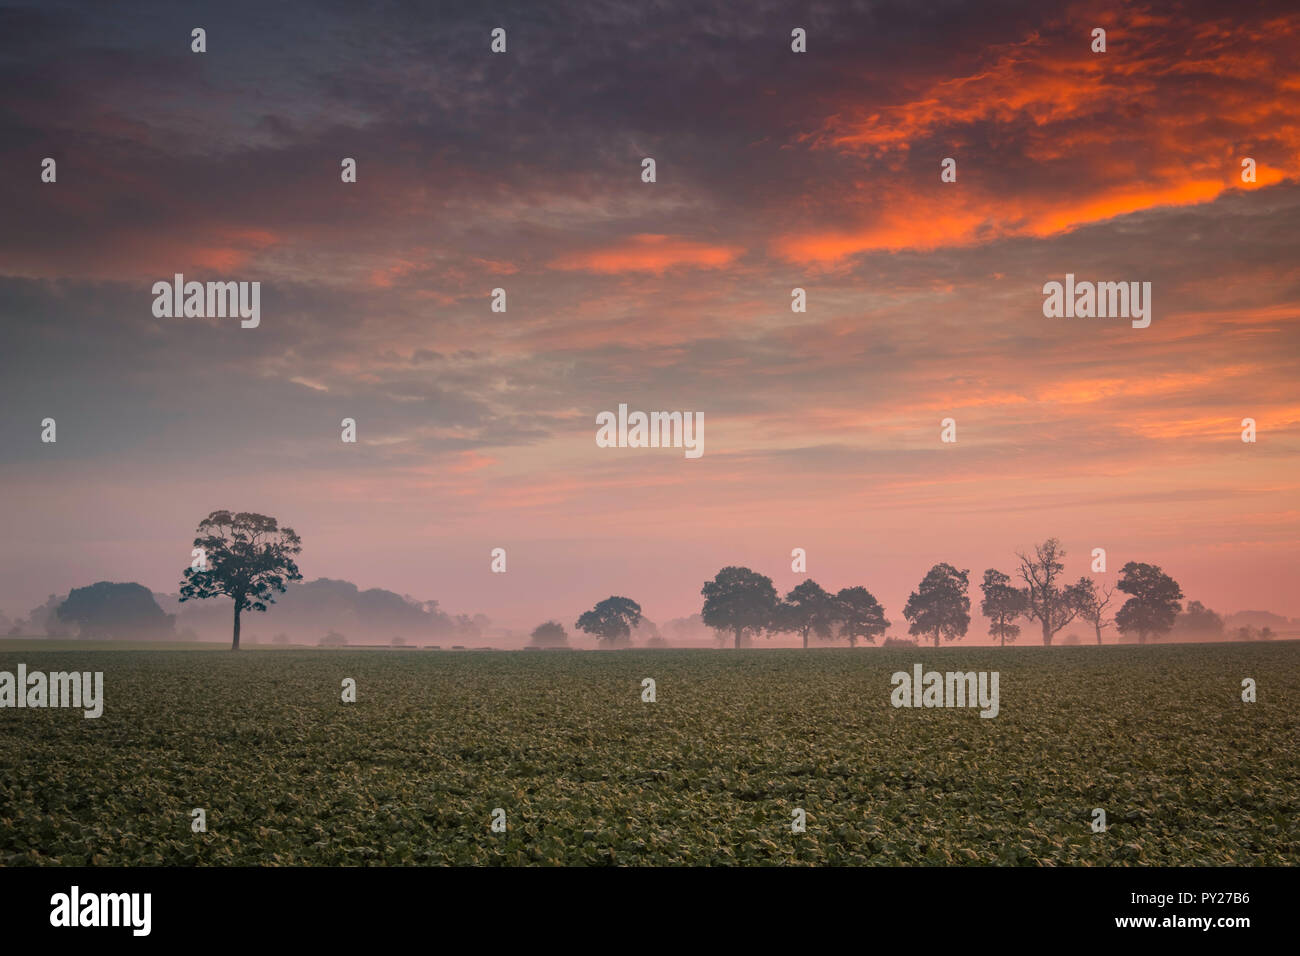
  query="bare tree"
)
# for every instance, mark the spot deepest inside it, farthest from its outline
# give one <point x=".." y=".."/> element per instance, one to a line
<point x="1093" y="603"/>
<point x="1050" y="604"/>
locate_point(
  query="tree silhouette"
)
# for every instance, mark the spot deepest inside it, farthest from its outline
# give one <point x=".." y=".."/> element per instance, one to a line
<point x="248" y="557"/>
<point x="860" y="615"/>
<point x="116" y="610"/>
<point x="739" y="600"/>
<point x="1050" y="604"/>
<point x="1155" y="603"/>
<point x="1093" y="603"/>
<point x="1199" y="619"/>
<point x="611" y="620"/>
<point x="550" y="634"/>
<point x="1002" y="604"/>
<point x="808" y="608"/>
<point x="940" y="605"/>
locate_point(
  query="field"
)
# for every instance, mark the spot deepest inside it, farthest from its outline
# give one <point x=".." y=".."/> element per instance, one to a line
<point x="710" y="773"/>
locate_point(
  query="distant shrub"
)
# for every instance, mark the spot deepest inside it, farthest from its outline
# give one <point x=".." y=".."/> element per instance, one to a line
<point x="898" y="642"/>
<point x="333" y="639"/>
<point x="549" y="634"/>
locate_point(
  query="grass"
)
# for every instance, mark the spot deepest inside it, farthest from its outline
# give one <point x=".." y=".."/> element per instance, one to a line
<point x="1157" y="736"/>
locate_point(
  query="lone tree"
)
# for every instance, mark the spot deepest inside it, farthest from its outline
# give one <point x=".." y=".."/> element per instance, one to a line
<point x="1002" y="604"/>
<point x="808" y="608"/>
<point x="1052" y="605"/>
<point x="1155" y="603"/>
<point x="739" y="600"/>
<point x="1093" y="604"/>
<point x="247" y="557"/>
<point x="611" y="620"/>
<point x="940" y="605"/>
<point x="550" y="634"/>
<point x="859" y="615"/>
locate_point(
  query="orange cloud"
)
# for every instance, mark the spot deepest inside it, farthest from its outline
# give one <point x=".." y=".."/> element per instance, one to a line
<point x="649" y="252"/>
<point x="1098" y="119"/>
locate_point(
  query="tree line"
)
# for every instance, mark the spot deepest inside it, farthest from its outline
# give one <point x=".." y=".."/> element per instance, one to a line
<point x="250" y="557"/>
<point x="745" y="603"/>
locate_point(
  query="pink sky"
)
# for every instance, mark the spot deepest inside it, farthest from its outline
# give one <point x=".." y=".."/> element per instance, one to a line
<point x="476" y="429"/>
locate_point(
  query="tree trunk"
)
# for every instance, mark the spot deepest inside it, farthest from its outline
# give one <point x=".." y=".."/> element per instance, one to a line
<point x="235" y="644"/>
<point x="805" y="640"/>
<point x="1098" y="627"/>
<point x="738" y="632"/>
<point x="1004" y="638"/>
<point x="936" y="638"/>
<point x="853" y="640"/>
<point x="1047" y="634"/>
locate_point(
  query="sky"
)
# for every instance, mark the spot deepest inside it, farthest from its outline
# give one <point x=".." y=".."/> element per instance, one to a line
<point x="774" y="170"/>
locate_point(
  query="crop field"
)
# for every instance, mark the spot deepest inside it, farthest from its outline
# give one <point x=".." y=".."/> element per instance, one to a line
<point x="710" y="773"/>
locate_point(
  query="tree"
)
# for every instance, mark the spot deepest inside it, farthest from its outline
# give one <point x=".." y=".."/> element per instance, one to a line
<point x="940" y="605"/>
<point x="247" y="557"/>
<point x="1093" y="603"/>
<point x="860" y="615"/>
<point x="808" y="608"/>
<point x="107" y="609"/>
<point x="1050" y="604"/>
<point x="1199" y="619"/>
<point x="1002" y="604"/>
<point x="45" y="620"/>
<point x="550" y="634"/>
<point x="611" y="620"/>
<point x="739" y="600"/>
<point x="1155" y="603"/>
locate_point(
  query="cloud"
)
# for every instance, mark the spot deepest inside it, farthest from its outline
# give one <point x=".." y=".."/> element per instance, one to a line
<point x="649" y="253"/>
<point x="1049" y="136"/>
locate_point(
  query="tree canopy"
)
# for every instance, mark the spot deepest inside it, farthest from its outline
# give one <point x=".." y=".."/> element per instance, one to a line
<point x="859" y="614"/>
<point x="612" y="620"/>
<point x="106" y="609"/>
<point x="245" y="556"/>
<point x="807" y="609"/>
<point x="1155" y="602"/>
<point x="550" y="634"/>
<point x="1003" y="603"/>
<point x="940" y="606"/>
<point x="740" y="601"/>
